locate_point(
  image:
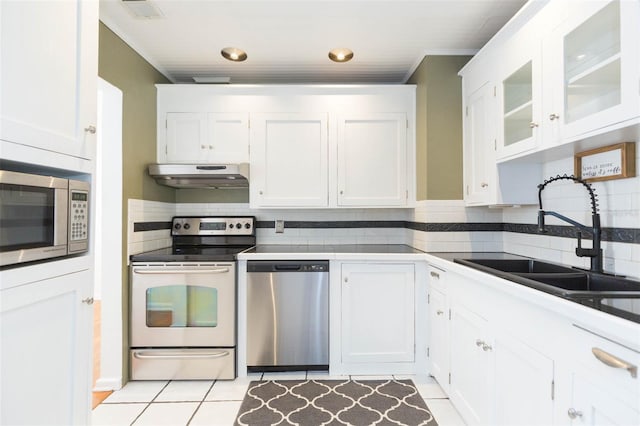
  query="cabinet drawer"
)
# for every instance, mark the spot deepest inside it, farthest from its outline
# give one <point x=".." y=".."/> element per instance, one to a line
<point x="607" y="361"/>
<point x="437" y="278"/>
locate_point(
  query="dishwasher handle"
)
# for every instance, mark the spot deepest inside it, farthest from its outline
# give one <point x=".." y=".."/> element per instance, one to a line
<point x="283" y="266"/>
<point x="287" y="267"/>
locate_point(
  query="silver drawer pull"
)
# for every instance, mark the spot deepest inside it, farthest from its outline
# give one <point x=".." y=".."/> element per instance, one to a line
<point x="439" y="312"/>
<point x="615" y="362"/>
<point x="573" y="413"/>
<point x="180" y="271"/>
<point x="146" y="355"/>
<point x="435" y="274"/>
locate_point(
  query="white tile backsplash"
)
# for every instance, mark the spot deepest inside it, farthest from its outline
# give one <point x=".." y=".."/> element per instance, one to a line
<point x="619" y="204"/>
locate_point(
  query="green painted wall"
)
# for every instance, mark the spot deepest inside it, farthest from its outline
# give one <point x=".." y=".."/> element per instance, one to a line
<point x="439" y="127"/>
<point x="121" y="66"/>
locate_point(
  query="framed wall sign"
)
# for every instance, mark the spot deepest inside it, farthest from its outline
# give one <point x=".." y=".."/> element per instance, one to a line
<point x="610" y="162"/>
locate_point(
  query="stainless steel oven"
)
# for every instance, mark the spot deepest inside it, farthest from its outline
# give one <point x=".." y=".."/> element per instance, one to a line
<point x="183" y="301"/>
<point x="179" y="307"/>
<point x="41" y="217"/>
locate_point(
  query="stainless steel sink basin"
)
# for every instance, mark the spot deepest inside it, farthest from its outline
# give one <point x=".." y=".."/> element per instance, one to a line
<point x="518" y="265"/>
<point x="557" y="279"/>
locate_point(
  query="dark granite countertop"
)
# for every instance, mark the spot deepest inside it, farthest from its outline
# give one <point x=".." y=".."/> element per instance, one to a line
<point x="334" y="248"/>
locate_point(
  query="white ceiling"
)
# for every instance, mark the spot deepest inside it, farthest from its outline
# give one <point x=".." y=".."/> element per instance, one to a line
<point x="288" y="41"/>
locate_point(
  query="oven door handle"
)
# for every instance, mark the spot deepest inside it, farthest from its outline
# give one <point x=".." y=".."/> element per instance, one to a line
<point x="179" y="271"/>
<point x="147" y="355"/>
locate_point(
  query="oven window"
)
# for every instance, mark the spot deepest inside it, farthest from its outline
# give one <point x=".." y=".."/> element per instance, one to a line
<point x="182" y="306"/>
<point x="26" y="217"/>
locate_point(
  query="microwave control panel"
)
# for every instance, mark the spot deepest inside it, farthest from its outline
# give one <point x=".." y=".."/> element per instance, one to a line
<point x="78" y="232"/>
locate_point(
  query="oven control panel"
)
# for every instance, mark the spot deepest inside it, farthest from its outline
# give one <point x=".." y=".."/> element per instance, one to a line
<point x="236" y="225"/>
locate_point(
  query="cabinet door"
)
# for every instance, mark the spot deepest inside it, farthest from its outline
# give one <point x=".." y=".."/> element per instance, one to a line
<point x="470" y="365"/>
<point x="49" y="75"/>
<point x="46" y="351"/>
<point x="597" y="48"/>
<point x="377" y="313"/>
<point x="519" y="96"/>
<point x="372" y="160"/>
<point x="439" y="337"/>
<point x="523" y="383"/>
<point x="228" y="137"/>
<point x="289" y="160"/>
<point x="479" y="146"/>
<point x="187" y="137"/>
<point x="597" y="405"/>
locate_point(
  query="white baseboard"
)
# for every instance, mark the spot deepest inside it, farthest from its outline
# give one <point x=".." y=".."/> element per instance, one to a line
<point x="108" y="384"/>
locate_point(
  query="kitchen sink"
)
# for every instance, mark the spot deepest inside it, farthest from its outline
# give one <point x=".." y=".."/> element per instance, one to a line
<point x="556" y="279"/>
<point x="517" y="265"/>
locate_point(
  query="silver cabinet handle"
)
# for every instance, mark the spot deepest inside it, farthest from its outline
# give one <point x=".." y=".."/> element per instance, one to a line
<point x="146" y="355"/>
<point x="553" y="116"/>
<point x="88" y="300"/>
<point x="435" y="274"/>
<point x="479" y="343"/>
<point x="533" y="124"/>
<point x="614" y="361"/>
<point x="179" y="271"/>
<point x="439" y="312"/>
<point x="90" y="129"/>
<point x="484" y="185"/>
<point x="573" y="413"/>
<point x="346" y="279"/>
<point x="486" y="348"/>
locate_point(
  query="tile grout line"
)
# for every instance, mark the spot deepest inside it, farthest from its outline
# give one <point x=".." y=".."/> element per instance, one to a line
<point x="149" y="403"/>
<point x="201" y="402"/>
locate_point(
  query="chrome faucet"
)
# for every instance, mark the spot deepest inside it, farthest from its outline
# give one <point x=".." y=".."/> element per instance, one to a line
<point x="595" y="252"/>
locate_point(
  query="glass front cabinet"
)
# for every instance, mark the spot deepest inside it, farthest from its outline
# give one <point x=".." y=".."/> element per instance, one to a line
<point x="595" y="68"/>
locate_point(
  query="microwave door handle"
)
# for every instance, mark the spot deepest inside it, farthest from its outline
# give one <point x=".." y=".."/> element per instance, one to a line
<point x="143" y="271"/>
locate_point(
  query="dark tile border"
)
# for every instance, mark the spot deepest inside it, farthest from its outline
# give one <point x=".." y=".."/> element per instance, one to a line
<point x="150" y="226"/>
<point x="618" y="235"/>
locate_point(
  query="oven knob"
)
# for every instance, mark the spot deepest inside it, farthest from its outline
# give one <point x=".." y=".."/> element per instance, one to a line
<point x="187" y="226"/>
<point x="238" y="225"/>
<point x="177" y="226"/>
<point x="247" y="225"/>
<point x="231" y="226"/>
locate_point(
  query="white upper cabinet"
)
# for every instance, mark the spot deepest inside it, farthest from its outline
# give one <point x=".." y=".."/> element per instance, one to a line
<point x="198" y="137"/>
<point x="372" y="156"/>
<point x="485" y="182"/>
<point x="565" y="72"/>
<point x="594" y="62"/>
<point x="308" y="146"/>
<point x="519" y="96"/>
<point x="289" y="160"/>
<point x="49" y="75"/>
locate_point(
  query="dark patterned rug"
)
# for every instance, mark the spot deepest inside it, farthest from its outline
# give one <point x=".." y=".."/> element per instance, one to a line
<point x="333" y="403"/>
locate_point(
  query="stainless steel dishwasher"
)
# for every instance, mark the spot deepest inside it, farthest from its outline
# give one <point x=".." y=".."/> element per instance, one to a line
<point x="288" y="315"/>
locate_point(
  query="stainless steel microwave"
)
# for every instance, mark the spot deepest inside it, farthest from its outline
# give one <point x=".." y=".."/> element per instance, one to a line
<point x="42" y="217"/>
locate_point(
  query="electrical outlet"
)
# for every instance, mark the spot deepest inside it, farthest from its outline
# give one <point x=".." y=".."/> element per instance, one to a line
<point x="279" y="226"/>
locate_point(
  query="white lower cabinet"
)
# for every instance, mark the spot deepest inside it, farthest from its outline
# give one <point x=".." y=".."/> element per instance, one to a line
<point x="377" y="318"/>
<point x="45" y="335"/>
<point x="493" y="376"/>
<point x="604" y="383"/>
<point x="515" y="363"/>
<point x="439" y="337"/>
<point x="523" y="383"/>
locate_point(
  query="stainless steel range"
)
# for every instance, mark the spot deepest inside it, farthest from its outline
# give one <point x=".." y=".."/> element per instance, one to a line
<point x="183" y="301"/>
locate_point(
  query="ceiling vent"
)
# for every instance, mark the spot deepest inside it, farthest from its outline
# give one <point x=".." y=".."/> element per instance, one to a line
<point x="143" y="9"/>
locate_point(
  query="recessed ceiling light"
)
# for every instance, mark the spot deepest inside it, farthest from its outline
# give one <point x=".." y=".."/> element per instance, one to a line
<point x="234" y="54"/>
<point x="341" y="54"/>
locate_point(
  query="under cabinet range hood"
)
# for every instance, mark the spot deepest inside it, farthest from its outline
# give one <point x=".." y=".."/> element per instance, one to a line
<point x="212" y="176"/>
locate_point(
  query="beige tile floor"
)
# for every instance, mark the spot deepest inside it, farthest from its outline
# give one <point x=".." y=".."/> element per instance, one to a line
<point x="213" y="403"/>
